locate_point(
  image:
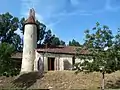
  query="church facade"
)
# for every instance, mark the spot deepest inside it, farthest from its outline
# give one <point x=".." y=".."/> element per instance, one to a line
<point x="55" y="58"/>
<point x="44" y="59"/>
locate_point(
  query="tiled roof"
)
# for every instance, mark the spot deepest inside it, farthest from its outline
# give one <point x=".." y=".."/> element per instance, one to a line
<point x="59" y="50"/>
<point x="65" y="50"/>
<point x="31" y="18"/>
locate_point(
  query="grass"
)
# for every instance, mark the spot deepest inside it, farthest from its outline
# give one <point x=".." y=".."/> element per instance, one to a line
<point x="61" y="80"/>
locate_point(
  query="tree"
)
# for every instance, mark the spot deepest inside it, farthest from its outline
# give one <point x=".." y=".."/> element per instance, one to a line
<point x="74" y="43"/>
<point x="41" y="32"/>
<point x="7" y="66"/>
<point x="99" y="42"/>
<point x="117" y="47"/>
<point x="55" y="41"/>
<point x="117" y="41"/>
<point x="52" y="40"/>
<point x="48" y="37"/>
<point x="62" y="43"/>
<point x="9" y="43"/>
<point x="8" y="26"/>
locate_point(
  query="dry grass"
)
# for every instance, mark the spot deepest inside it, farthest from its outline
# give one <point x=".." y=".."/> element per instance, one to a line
<point x="61" y="80"/>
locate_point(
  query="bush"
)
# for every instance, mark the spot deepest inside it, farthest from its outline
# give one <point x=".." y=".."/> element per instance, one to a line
<point x="7" y="66"/>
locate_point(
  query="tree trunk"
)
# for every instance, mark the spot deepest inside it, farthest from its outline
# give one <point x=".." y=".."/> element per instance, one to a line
<point x="103" y="81"/>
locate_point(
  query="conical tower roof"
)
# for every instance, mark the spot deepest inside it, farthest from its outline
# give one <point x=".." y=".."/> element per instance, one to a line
<point x="31" y="18"/>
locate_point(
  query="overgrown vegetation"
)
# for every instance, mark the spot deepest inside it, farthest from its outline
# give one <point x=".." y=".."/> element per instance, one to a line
<point x="103" y="50"/>
<point x="7" y="66"/>
<point x="9" y="42"/>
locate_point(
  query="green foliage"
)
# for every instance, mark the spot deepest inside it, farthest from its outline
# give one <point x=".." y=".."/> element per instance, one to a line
<point x="55" y="40"/>
<point x="103" y="50"/>
<point x="8" y="26"/>
<point x="99" y="42"/>
<point x="41" y="32"/>
<point x="62" y="43"/>
<point x="7" y="66"/>
<point x="117" y="41"/>
<point x="74" y="43"/>
<point x="117" y="47"/>
<point x="52" y="40"/>
<point x="9" y="42"/>
<point x="48" y="37"/>
<point x="100" y="38"/>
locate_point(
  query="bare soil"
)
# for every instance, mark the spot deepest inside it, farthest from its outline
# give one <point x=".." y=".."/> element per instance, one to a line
<point x="61" y="80"/>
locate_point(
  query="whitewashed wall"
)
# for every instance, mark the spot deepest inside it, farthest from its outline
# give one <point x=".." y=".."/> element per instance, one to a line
<point x="62" y="61"/>
<point x="30" y="44"/>
<point x="38" y="62"/>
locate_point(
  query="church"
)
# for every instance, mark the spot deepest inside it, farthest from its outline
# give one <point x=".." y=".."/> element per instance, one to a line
<point x="55" y="58"/>
<point x="44" y="59"/>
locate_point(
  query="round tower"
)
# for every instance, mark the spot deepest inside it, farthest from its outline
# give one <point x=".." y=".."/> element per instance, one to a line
<point x="30" y="43"/>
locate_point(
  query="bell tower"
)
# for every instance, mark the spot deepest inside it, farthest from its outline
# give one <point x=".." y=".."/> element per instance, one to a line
<point x="30" y="43"/>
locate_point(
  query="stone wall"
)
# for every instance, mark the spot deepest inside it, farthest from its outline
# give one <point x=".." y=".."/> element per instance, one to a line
<point x="62" y="61"/>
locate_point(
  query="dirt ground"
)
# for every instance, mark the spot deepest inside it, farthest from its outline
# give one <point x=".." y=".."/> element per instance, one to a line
<point x="61" y="80"/>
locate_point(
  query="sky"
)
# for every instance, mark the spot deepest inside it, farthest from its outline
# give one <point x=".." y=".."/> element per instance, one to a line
<point x="68" y="19"/>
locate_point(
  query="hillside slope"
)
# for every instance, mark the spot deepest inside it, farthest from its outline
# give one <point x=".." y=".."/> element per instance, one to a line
<point x="61" y="80"/>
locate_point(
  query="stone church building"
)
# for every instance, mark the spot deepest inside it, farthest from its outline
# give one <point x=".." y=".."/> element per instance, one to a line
<point x="55" y="58"/>
<point x="44" y="59"/>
